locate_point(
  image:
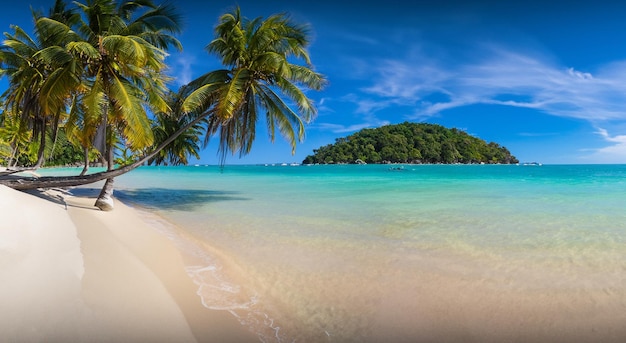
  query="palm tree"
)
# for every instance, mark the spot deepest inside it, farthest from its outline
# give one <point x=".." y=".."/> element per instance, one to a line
<point x="26" y="73"/>
<point x="80" y="129"/>
<point x="123" y="53"/>
<point x="15" y="135"/>
<point x="185" y="145"/>
<point x="258" y="55"/>
<point x="39" y="74"/>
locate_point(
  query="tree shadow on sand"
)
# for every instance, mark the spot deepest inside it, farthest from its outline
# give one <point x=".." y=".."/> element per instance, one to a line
<point x="167" y="199"/>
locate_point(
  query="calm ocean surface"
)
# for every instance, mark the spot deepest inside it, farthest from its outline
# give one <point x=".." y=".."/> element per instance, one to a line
<point x="358" y="253"/>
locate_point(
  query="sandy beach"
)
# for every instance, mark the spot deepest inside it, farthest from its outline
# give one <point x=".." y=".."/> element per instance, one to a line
<point x="357" y="265"/>
<point x="71" y="273"/>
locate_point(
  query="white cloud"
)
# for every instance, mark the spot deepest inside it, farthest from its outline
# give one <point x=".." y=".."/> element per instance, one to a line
<point x="182" y="69"/>
<point x="505" y="78"/>
<point x="355" y="38"/>
<point x="501" y="77"/>
<point x="613" y="153"/>
<point x="620" y="139"/>
<point x="406" y="82"/>
<point x="337" y="128"/>
<point x="580" y="75"/>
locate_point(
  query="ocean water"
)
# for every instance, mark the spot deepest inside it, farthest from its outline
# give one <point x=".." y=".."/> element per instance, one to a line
<point x="351" y="253"/>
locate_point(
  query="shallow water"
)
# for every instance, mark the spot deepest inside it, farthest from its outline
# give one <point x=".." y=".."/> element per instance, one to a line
<point x="427" y="253"/>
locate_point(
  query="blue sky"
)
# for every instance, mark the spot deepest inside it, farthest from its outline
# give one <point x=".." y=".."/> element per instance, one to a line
<point x="548" y="81"/>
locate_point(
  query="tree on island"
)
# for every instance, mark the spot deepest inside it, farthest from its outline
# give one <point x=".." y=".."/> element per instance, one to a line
<point x="411" y="143"/>
<point x="105" y="64"/>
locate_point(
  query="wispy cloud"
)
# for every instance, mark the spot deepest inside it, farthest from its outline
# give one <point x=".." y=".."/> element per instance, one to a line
<point x="501" y="77"/>
<point x="182" y="69"/>
<point x="419" y="86"/>
<point x="615" y="152"/>
<point x="338" y="128"/>
<point x="355" y="38"/>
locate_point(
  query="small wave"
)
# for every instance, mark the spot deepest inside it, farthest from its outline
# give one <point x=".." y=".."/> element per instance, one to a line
<point x="215" y="290"/>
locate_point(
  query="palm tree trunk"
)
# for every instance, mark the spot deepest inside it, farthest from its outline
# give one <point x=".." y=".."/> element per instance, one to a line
<point x="42" y="145"/>
<point x="55" y="135"/>
<point x="12" y="159"/>
<point x="105" y="199"/>
<point x="86" y="159"/>
<point x="27" y="183"/>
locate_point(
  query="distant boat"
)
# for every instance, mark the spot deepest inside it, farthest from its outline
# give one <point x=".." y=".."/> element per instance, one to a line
<point x="531" y="164"/>
<point x="400" y="168"/>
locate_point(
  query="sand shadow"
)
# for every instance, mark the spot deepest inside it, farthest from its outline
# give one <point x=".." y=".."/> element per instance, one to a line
<point x="85" y="192"/>
<point x="174" y="199"/>
<point x="54" y="196"/>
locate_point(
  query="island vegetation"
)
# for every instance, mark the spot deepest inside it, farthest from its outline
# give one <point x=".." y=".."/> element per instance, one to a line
<point x="411" y="143"/>
<point x="91" y="83"/>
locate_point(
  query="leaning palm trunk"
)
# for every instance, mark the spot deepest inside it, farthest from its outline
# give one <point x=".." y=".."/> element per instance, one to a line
<point x="42" y="146"/>
<point x="26" y="183"/>
<point x="12" y="158"/>
<point x="86" y="159"/>
<point x="105" y="198"/>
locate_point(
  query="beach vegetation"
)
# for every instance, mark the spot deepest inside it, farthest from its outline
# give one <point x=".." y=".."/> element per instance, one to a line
<point x="165" y="125"/>
<point x="259" y="75"/>
<point x="411" y="143"/>
<point x="96" y="71"/>
<point x="40" y="77"/>
<point x="15" y="135"/>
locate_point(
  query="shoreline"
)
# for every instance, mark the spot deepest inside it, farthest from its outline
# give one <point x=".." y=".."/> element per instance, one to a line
<point x="74" y="273"/>
<point x="508" y="273"/>
<point x="222" y="284"/>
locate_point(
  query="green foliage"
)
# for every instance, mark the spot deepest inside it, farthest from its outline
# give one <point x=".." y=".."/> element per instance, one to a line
<point x="14" y="135"/>
<point x="411" y="143"/>
<point x="165" y="125"/>
<point x="61" y="152"/>
<point x="5" y="152"/>
<point x="102" y="59"/>
<point x="260" y="55"/>
<point x="94" y="72"/>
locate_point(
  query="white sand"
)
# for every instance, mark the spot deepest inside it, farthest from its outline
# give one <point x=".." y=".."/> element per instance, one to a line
<point x="70" y="272"/>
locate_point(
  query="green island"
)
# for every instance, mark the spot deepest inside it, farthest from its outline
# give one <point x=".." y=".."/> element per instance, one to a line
<point x="411" y="143"/>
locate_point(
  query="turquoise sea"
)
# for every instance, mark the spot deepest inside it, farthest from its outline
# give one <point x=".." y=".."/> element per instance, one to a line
<point x="425" y="253"/>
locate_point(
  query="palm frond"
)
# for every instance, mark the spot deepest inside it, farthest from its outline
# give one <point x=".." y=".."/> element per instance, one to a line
<point x="161" y="40"/>
<point x="160" y="18"/>
<point x="94" y="100"/>
<point x="231" y="94"/>
<point x="127" y="101"/>
<point x="201" y="93"/>
<point x="56" y="89"/>
<point x="53" y="56"/>
<point x="125" y="49"/>
<point x="51" y="32"/>
<point x="84" y="50"/>
<point x="305" y="105"/>
<point x="281" y="114"/>
<point x="22" y="36"/>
